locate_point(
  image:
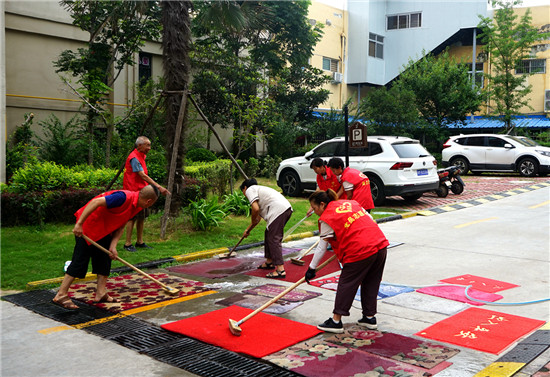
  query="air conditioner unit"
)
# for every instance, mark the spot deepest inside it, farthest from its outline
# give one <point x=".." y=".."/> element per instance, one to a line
<point x="547" y="101"/>
<point x="336" y="77"/>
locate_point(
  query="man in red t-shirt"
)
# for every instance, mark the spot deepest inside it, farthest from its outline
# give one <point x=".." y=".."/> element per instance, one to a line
<point x="102" y="219"/>
<point x="356" y="184"/>
<point x="360" y="247"/>
<point x="134" y="179"/>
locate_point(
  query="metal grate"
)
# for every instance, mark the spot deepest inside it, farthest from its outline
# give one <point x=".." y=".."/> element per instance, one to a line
<point x="145" y="338"/>
<point x="538" y="337"/>
<point x="523" y="353"/>
<point x="116" y="326"/>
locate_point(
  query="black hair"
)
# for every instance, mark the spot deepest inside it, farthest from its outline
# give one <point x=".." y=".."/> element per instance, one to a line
<point x="326" y="197"/>
<point x="336" y="162"/>
<point x="248" y="182"/>
<point x="317" y="162"/>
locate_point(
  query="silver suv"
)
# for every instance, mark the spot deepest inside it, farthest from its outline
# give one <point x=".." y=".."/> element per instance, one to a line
<point x="395" y="165"/>
<point x="490" y="152"/>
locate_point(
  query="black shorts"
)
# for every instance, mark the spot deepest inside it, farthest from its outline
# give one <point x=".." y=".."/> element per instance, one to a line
<point x="101" y="261"/>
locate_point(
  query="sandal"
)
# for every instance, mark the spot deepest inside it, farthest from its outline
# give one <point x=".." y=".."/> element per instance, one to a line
<point x="66" y="303"/>
<point x="276" y="274"/>
<point x="266" y="266"/>
<point x="106" y="299"/>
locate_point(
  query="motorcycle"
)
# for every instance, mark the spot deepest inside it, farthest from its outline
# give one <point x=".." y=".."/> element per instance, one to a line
<point x="449" y="178"/>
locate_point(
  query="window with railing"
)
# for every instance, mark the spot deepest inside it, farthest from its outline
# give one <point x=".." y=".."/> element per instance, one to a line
<point x="531" y="66"/>
<point x="404" y="21"/>
<point x="478" y="73"/>
<point x="330" y="64"/>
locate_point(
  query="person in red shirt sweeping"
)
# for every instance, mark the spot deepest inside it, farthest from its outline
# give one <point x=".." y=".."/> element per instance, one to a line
<point x="356" y="184"/>
<point x="102" y="219"/>
<point x="135" y="178"/>
<point x="361" y="248"/>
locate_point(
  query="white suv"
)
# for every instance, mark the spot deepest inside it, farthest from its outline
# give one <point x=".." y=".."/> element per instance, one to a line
<point x="489" y="152"/>
<point x="395" y="165"/>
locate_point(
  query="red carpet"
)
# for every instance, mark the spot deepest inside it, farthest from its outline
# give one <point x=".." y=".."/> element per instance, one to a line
<point x="261" y="335"/>
<point x="295" y="272"/>
<point x="480" y="283"/>
<point x="459" y="294"/>
<point x="481" y="329"/>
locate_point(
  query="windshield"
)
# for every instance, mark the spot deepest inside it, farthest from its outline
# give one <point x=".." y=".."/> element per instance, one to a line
<point x="410" y="150"/>
<point x="524" y="140"/>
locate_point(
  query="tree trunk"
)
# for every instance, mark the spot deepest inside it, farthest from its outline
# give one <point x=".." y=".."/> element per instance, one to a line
<point x="176" y="44"/>
<point x="90" y="117"/>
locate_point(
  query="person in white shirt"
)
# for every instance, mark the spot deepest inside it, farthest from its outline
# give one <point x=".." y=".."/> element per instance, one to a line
<point x="270" y="205"/>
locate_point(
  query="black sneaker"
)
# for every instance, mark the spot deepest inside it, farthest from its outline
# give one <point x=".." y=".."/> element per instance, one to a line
<point x="143" y="246"/>
<point x="130" y="248"/>
<point x="369" y="323"/>
<point x="330" y="326"/>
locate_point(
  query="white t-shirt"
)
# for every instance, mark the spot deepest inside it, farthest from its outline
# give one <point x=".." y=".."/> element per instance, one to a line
<point x="272" y="203"/>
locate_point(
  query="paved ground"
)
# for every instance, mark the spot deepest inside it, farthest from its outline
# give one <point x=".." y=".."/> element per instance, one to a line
<point x="506" y="240"/>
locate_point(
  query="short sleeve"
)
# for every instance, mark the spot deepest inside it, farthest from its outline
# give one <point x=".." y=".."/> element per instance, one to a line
<point x="116" y="199"/>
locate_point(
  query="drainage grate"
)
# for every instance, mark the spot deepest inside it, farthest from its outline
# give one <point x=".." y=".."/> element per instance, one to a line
<point x="538" y="337"/>
<point x="523" y="353"/>
<point x="30" y="298"/>
<point x="116" y="326"/>
<point x="238" y="362"/>
<point x="145" y="338"/>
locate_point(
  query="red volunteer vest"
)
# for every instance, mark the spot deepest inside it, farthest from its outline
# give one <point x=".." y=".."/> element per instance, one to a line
<point x="357" y="234"/>
<point x="104" y="221"/>
<point x="132" y="181"/>
<point x="361" y="189"/>
<point x="331" y="182"/>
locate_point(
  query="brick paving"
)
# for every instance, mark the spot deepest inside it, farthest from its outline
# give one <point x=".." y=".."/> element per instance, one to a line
<point x="476" y="186"/>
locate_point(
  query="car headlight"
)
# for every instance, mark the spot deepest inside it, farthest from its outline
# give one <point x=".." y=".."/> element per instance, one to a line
<point x="544" y="153"/>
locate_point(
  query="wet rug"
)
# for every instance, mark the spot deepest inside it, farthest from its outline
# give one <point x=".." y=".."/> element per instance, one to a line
<point x="480" y="283"/>
<point x="481" y="329"/>
<point x="215" y="268"/>
<point x="427" y="303"/>
<point x="385" y="290"/>
<point x="317" y="358"/>
<point x="261" y="335"/>
<point x="394" y="346"/>
<point x="272" y="290"/>
<point x="252" y="301"/>
<point x="295" y="272"/>
<point x="135" y="290"/>
<point x="458" y="294"/>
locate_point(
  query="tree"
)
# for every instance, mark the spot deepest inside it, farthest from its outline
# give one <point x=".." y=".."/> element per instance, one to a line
<point x="443" y="92"/>
<point x="508" y="42"/>
<point x="117" y="30"/>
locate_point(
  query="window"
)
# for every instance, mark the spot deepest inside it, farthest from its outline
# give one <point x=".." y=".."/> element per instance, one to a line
<point x="330" y="64"/>
<point x="531" y="66"/>
<point x="327" y="150"/>
<point x="144" y="73"/>
<point x="495" y="142"/>
<point x="478" y="73"/>
<point x="376" y="46"/>
<point x="404" y="21"/>
<point x="476" y="141"/>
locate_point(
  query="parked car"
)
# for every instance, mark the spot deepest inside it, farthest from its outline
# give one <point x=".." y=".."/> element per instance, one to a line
<point x="395" y="165"/>
<point x="489" y="152"/>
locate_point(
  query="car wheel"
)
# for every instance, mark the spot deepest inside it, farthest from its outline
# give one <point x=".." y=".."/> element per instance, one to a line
<point x="528" y="167"/>
<point x="457" y="188"/>
<point x="377" y="191"/>
<point x="462" y="164"/>
<point x="442" y="191"/>
<point x="291" y="184"/>
<point x="412" y="197"/>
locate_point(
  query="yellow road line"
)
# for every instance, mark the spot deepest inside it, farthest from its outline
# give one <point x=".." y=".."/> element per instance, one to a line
<point x="475" y="222"/>
<point x="540" y="205"/>
<point x="166" y="303"/>
<point x="55" y="329"/>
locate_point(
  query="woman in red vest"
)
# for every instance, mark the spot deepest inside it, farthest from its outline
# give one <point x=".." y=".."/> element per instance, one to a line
<point x="356" y="184"/>
<point x="102" y="219"/>
<point x="360" y="247"/>
<point x="326" y="179"/>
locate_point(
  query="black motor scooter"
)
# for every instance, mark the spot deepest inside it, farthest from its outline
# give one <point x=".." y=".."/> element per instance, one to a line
<point x="449" y="178"/>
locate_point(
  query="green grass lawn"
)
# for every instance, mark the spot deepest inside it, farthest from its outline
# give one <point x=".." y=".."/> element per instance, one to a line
<point x="31" y="254"/>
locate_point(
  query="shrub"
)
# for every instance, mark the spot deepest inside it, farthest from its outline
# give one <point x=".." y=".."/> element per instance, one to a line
<point x="193" y="190"/>
<point x="200" y="154"/>
<point x="236" y="203"/>
<point x="251" y="167"/>
<point x="216" y="173"/>
<point x="206" y="214"/>
<point x="63" y="142"/>
<point x="269" y="166"/>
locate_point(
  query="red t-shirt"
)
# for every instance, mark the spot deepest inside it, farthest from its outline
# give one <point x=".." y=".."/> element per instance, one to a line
<point x="132" y="181"/>
<point x="104" y="221"/>
<point x="361" y="187"/>
<point x="330" y="182"/>
<point x="357" y="234"/>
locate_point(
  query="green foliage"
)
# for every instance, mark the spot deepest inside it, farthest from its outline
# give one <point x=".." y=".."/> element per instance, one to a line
<point x="251" y="167"/>
<point x="200" y="154"/>
<point x="48" y="176"/>
<point x="206" y="214"/>
<point x="236" y="203"/>
<point x="508" y="41"/>
<point x="216" y="173"/>
<point x="269" y="166"/>
<point x="62" y="143"/>
<point x="156" y="164"/>
<point x="20" y="148"/>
